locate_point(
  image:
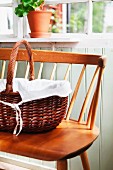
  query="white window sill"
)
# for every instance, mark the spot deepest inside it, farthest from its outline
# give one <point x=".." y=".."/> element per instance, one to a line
<point x="67" y="40"/>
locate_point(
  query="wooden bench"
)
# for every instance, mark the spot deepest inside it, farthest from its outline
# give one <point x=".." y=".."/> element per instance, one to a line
<point x="73" y="136"/>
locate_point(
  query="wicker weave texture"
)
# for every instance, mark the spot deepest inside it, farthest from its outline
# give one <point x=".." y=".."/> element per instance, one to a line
<point x="37" y="115"/>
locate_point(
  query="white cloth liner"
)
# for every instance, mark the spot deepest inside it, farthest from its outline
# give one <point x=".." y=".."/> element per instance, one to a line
<point x="32" y="90"/>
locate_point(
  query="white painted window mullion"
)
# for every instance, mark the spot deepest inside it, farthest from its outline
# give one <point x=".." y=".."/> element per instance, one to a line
<point x="18" y="23"/>
<point x="90" y="16"/>
<point x="64" y="19"/>
<point x="63" y="1"/>
<point x="6" y="5"/>
<point x="25" y="28"/>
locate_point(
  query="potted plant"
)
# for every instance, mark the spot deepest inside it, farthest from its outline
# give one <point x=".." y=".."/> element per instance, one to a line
<point x="38" y="17"/>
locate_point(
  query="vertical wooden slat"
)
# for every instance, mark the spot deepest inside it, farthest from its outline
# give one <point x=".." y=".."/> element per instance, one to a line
<point x="85" y="162"/>
<point x="87" y="96"/>
<point x="62" y="165"/>
<point x="67" y="72"/>
<point x="3" y="69"/>
<point x="75" y="93"/>
<point x="40" y="70"/>
<point x="27" y="71"/>
<point x="93" y="116"/>
<point x="90" y="112"/>
<point x="53" y="71"/>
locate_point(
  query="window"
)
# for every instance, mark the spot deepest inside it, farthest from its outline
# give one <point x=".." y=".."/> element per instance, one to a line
<point x="72" y="16"/>
<point x="82" y="16"/>
<point x="9" y="23"/>
<point x="77" y="19"/>
<point x="103" y="15"/>
<point x="95" y="17"/>
<point x="6" y="18"/>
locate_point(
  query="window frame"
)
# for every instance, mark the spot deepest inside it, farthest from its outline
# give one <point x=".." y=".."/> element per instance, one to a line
<point x="88" y="32"/>
<point x="17" y="22"/>
<point x="20" y="27"/>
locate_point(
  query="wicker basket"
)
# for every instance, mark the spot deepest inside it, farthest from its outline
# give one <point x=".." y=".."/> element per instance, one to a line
<point x="37" y="115"/>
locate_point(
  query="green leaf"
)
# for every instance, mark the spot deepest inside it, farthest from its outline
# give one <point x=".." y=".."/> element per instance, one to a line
<point x="35" y="1"/>
<point x="26" y="2"/>
<point x="27" y="5"/>
<point x="40" y="2"/>
<point x="21" y="11"/>
<point x="30" y="8"/>
<point x="33" y="5"/>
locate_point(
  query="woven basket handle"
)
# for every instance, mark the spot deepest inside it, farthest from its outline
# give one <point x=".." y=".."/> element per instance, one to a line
<point x="12" y="61"/>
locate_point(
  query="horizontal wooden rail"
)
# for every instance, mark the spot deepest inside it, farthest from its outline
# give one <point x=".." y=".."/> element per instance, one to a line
<point x="54" y="56"/>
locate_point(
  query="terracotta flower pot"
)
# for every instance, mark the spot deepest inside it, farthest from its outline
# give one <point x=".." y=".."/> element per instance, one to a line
<point x="39" y="23"/>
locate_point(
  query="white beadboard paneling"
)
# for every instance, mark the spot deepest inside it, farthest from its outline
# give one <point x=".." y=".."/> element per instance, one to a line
<point x="75" y="164"/>
<point x="51" y="165"/>
<point x="107" y="116"/>
<point x="15" y="162"/>
<point x="7" y="166"/>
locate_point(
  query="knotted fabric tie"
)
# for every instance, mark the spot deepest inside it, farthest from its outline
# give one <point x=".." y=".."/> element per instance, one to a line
<point x="18" y="116"/>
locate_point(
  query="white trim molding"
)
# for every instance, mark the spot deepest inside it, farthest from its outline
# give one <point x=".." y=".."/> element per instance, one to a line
<point x="65" y="40"/>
